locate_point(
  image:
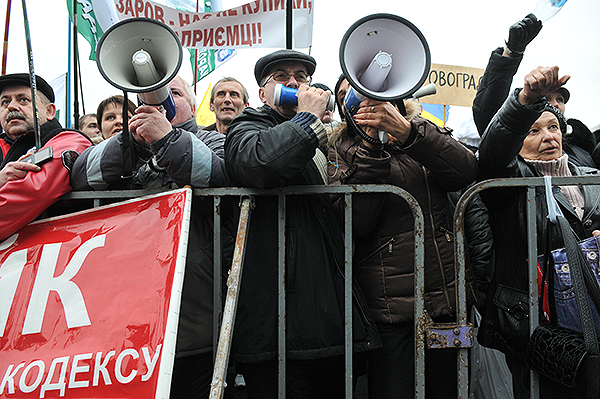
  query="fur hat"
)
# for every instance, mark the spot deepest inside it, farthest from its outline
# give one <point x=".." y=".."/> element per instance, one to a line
<point x="264" y="64"/>
<point x="22" y="79"/>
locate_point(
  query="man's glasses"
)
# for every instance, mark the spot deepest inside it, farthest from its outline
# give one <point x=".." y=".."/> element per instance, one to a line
<point x="284" y="77"/>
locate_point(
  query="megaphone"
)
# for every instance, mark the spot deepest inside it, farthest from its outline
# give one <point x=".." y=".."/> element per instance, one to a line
<point x="142" y="56"/>
<point x="289" y="96"/>
<point x="385" y="57"/>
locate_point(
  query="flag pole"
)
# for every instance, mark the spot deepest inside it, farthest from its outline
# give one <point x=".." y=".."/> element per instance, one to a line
<point x="196" y="56"/>
<point x="289" y="20"/>
<point x="75" y="69"/>
<point x="5" y="46"/>
<point x="67" y="104"/>
<point x="36" y="114"/>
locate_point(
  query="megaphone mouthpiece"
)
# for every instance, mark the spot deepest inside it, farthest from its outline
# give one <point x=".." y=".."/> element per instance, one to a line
<point x="144" y="68"/>
<point x="379" y="68"/>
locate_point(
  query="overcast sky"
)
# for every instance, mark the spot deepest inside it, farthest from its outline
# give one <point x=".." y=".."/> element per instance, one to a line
<point x="461" y="32"/>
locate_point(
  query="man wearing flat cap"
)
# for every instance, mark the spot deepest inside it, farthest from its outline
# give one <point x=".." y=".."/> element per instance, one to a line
<point x="26" y="189"/>
<point x="275" y="146"/>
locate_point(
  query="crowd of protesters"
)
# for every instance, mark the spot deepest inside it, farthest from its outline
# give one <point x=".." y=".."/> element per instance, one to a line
<point x="523" y="133"/>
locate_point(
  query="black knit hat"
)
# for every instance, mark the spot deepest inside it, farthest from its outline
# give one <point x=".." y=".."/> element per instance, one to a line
<point x="264" y="64"/>
<point x="22" y="79"/>
<point x="562" y="121"/>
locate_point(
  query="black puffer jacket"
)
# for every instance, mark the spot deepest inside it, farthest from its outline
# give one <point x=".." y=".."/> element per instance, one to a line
<point x="428" y="165"/>
<point x="263" y="150"/>
<point x="505" y="320"/>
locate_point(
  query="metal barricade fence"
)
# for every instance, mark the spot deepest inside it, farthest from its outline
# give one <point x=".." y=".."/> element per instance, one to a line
<point x="530" y="184"/>
<point x="462" y="327"/>
<point x="246" y="203"/>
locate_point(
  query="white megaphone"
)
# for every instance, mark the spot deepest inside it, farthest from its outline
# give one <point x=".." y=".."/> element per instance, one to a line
<point x="289" y="96"/>
<point x="142" y="56"/>
<point x="384" y="57"/>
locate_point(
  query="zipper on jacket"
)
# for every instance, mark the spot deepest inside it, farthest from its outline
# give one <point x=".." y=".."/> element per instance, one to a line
<point x="449" y="234"/>
<point x="437" y="249"/>
<point x="379" y="248"/>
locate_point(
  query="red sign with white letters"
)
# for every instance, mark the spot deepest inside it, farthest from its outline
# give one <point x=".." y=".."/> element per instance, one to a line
<point x="89" y="302"/>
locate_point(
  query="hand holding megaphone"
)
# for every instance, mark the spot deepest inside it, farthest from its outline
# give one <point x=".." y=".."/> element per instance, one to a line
<point x="289" y="96"/>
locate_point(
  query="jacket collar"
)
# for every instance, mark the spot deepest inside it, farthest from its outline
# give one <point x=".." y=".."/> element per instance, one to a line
<point x="26" y="141"/>
<point x="190" y="125"/>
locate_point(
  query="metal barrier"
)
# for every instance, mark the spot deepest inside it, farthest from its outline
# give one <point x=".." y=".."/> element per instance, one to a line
<point x="530" y="183"/>
<point x="222" y="350"/>
<point x="422" y="326"/>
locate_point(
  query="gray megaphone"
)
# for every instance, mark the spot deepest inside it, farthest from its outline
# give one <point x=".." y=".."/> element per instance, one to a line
<point x="384" y="57"/>
<point x="289" y="96"/>
<point x="142" y="56"/>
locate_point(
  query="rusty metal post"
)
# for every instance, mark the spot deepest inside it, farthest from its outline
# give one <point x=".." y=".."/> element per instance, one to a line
<point x="281" y="302"/>
<point x="348" y="291"/>
<point x="461" y="295"/>
<point x="218" y="267"/>
<point x="534" y="378"/>
<point x="419" y="310"/>
<point x="217" y="385"/>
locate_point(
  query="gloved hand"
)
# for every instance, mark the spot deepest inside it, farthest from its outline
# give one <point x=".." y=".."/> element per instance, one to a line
<point x="522" y="33"/>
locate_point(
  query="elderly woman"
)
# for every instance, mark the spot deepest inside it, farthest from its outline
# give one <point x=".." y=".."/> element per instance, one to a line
<point x="523" y="140"/>
<point x="425" y="160"/>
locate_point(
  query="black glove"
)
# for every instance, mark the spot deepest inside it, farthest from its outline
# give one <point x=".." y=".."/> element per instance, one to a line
<point x="522" y="33"/>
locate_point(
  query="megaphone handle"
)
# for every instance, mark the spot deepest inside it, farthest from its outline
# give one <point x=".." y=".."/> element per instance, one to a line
<point x="330" y="103"/>
<point x="128" y="148"/>
<point x="383" y="137"/>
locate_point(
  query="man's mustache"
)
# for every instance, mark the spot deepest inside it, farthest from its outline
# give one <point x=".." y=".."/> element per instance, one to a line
<point x="15" y="115"/>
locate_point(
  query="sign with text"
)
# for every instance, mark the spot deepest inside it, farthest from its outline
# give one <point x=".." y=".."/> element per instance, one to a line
<point x="456" y="85"/>
<point x="89" y="302"/>
<point x="258" y="23"/>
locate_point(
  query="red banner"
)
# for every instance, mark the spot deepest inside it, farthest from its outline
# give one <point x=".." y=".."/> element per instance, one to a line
<point x="89" y="302"/>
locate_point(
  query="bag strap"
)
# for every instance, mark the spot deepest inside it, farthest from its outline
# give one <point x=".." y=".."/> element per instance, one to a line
<point x="577" y="264"/>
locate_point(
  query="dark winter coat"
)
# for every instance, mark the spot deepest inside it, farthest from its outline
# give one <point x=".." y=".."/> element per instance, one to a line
<point x="428" y="165"/>
<point x="263" y="150"/>
<point x="182" y="157"/>
<point x="505" y="321"/>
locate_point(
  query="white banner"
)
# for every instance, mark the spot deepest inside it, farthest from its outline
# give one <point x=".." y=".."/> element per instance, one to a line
<point x="256" y="24"/>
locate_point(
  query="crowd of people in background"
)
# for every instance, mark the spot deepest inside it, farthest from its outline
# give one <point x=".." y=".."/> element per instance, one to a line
<point x="521" y="132"/>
